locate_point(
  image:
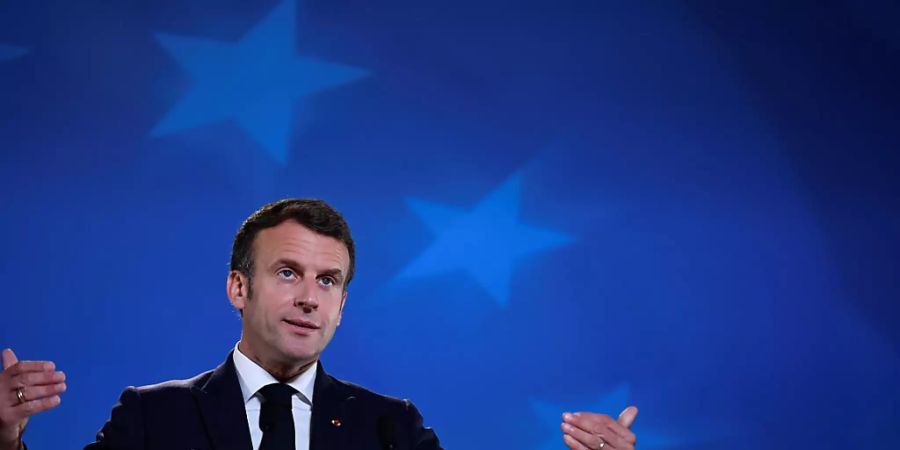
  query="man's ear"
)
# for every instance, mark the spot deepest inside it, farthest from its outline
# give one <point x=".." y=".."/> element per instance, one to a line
<point x="238" y="287"/>
<point x="341" y="311"/>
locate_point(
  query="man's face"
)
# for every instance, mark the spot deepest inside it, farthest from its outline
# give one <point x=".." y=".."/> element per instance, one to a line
<point x="297" y="294"/>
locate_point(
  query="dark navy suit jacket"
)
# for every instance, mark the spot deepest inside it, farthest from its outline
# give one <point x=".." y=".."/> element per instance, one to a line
<point x="207" y="413"/>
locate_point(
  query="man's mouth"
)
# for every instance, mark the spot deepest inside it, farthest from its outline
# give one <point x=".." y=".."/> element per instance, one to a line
<point x="301" y="326"/>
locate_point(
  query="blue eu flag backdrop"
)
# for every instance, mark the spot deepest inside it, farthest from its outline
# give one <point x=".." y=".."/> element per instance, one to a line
<point x="558" y="205"/>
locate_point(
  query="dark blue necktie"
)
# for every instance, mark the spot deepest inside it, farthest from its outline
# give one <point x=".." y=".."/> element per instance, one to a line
<point x="275" y="418"/>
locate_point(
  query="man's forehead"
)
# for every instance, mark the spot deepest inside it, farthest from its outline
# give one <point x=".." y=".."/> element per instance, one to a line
<point x="291" y="238"/>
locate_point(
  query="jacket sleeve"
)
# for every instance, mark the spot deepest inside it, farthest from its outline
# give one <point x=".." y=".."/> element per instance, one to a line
<point x="420" y="436"/>
<point x="125" y="428"/>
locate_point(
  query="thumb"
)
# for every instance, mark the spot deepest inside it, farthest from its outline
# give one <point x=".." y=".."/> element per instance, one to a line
<point x="626" y="418"/>
<point x="9" y="358"/>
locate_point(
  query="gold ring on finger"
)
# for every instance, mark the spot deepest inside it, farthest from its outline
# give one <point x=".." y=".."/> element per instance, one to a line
<point x="602" y="443"/>
<point x="20" y="394"/>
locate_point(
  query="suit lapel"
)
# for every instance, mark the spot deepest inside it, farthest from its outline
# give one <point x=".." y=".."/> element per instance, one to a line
<point x="331" y="418"/>
<point x="222" y="406"/>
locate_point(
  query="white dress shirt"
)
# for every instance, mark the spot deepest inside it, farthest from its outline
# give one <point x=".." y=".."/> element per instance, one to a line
<point x="253" y="377"/>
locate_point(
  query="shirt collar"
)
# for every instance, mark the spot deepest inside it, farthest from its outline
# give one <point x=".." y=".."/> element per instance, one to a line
<point x="253" y="377"/>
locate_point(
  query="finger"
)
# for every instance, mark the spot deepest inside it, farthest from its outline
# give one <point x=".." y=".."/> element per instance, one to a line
<point x="573" y="443"/>
<point x="30" y="366"/>
<point x="9" y="358"/>
<point x="39" y="392"/>
<point x="600" y="424"/>
<point x="589" y="422"/>
<point x="592" y="440"/>
<point x="30" y="408"/>
<point x="626" y="418"/>
<point x="38" y="379"/>
<point x="621" y="431"/>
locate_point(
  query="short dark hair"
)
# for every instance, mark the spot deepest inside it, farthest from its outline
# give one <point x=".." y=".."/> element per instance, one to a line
<point x="312" y="213"/>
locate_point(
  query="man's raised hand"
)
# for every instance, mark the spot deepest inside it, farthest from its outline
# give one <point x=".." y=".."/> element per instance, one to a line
<point x="26" y="388"/>
<point x="591" y="431"/>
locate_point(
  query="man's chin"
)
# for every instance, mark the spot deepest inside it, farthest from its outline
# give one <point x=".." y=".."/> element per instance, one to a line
<point x="295" y="356"/>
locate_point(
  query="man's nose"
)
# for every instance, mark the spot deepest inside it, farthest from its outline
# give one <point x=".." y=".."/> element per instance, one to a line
<point x="307" y="297"/>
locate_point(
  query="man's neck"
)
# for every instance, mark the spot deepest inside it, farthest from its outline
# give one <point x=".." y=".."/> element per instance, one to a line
<point x="279" y="371"/>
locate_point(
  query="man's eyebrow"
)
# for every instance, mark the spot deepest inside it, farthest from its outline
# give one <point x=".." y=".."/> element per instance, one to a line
<point x="336" y="273"/>
<point x="287" y="262"/>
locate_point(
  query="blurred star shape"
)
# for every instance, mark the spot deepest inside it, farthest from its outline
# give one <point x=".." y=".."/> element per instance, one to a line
<point x="484" y="241"/>
<point x="8" y="52"/>
<point x="254" y="82"/>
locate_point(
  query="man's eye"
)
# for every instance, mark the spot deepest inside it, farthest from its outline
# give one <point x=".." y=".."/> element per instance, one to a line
<point x="286" y="273"/>
<point x="327" y="281"/>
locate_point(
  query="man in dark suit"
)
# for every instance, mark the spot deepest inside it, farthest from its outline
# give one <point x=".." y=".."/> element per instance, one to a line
<point x="207" y="412"/>
<point x="291" y="263"/>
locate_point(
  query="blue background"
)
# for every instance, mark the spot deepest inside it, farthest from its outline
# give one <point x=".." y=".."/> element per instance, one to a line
<point x="558" y="205"/>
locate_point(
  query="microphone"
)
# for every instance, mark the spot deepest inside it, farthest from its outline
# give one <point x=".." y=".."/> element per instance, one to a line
<point x="386" y="433"/>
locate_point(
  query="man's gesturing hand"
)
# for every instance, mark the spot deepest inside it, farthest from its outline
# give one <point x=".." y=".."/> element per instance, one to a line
<point x="590" y="431"/>
<point x="39" y="384"/>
